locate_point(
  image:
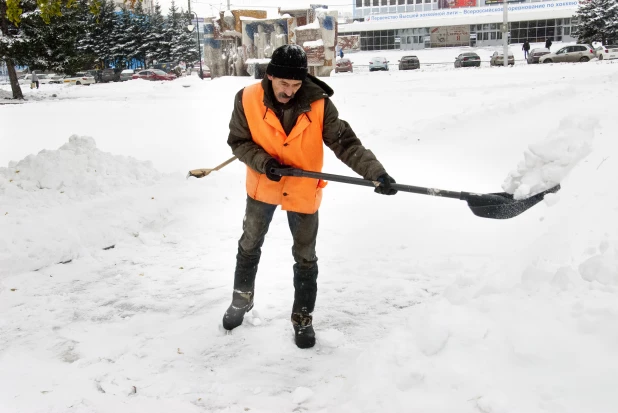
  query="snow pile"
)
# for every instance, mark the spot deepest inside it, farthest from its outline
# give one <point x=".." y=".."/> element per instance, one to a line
<point x="60" y="204"/>
<point x="546" y="164"/>
<point x="77" y="170"/>
<point x="5" y="94"/>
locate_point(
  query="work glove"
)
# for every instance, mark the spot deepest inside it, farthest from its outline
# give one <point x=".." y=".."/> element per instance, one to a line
<point x="273" y="163"/>
<point x="385" y="185"/>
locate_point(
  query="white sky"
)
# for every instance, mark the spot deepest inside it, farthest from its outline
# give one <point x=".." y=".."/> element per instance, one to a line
<point x="422" y="306"/>
<point x="206" y="7"/>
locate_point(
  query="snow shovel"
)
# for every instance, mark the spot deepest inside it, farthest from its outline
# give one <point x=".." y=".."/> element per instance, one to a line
<point x="200" y="173"/>
<point x="497" y="205"/>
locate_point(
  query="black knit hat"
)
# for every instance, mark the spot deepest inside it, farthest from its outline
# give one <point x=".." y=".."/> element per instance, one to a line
<point x="288" y="62"/>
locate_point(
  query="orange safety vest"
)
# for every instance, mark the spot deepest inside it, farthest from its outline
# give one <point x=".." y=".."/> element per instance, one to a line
<point x="302" y="149"/>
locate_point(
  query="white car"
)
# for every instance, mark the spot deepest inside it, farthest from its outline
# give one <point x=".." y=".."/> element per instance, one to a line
<point x="26" y="79"/>
<point x="378" y="63"/>
<point x="607" y="52"/>
<point x="79" y="79"/>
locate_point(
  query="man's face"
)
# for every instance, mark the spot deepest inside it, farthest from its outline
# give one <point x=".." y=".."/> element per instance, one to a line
<point x="284" y="89"/>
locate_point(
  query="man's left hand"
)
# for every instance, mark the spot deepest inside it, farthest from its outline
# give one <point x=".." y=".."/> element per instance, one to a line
<point x="385" y="187"/>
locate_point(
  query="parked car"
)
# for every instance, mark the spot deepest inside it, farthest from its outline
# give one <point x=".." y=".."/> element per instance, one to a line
<point x="409" y="62"/>
<point x="344" y="65"/>
<point x="45" y="78"/>
<point x="126" y="74"/>
<point x="154" y="74"/>
<point x="96" y="74"/>
<point x="607" y="52"/>
<point x="497" y="59"/>
<point x="110" y="75"/>
<point x="57" y="79"/>
<point x="573" y="53"/>
<point x="378" y="63"/>
<point x="81" y="78"/>
<point x="535" y="54"/>
<point x="25" y="79"/>
<point x="467" y="60"/>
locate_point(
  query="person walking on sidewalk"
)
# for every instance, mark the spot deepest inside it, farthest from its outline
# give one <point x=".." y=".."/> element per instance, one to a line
<point x="281" y="122"/>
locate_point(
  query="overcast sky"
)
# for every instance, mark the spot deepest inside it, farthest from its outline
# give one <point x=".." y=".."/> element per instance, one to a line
<point x="206" y="8"/>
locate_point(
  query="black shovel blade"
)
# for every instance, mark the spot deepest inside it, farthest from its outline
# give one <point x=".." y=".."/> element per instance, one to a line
<point x="502" y="205"/>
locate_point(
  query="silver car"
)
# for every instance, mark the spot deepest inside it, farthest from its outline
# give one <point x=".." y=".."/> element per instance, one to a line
<point x="573" y="53"/>
<point x="535" y="54"/>
<point x="126" y="74"/>
<point x="497" y="59"/>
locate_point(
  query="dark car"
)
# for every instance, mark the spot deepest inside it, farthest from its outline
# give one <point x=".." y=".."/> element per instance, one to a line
<point x="467" y="60"/>
<point x="154" y="74"/>
<point x="535" y="54"/>
<point x="409" y="62"/>
<point x="110" y="75"/>
<point x="344" y="65"/>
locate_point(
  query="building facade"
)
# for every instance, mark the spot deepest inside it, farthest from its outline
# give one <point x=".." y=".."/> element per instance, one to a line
<point x="419" y="24"/>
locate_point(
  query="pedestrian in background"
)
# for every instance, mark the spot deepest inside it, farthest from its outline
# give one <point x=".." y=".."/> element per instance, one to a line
<point x="548" y="44"/>
<point x="526" y="49"/>
<point x="34" y="81"/>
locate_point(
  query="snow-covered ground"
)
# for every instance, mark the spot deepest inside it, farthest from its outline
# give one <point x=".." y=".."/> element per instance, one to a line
<point x="422" y="306"/>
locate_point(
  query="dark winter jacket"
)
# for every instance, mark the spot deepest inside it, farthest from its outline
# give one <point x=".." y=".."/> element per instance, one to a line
<point x="337" y="133"/>
<point x="548" y="44"/>
<point x="526" y="46"/>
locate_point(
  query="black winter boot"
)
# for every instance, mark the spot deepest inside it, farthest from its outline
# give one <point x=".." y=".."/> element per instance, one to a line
<point x="242" y="303"/>
<point x="304" y="335"/>
<point x="244" y="287"/>
<point x="305" y="293"/>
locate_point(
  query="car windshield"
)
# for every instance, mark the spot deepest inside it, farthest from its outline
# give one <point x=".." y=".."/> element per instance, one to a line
<point x="42" y="76"/>
<point x="470" y="55"/>
<point x="159" y="72"/>
<point x="378" y="59"/>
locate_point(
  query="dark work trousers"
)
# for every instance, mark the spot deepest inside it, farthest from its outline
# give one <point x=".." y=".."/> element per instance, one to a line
<point x="304" y="229"/>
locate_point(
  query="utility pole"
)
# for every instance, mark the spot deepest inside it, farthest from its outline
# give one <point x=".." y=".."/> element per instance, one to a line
<point x="505" y="32"/>
<point x="189" y="1"/>
<point x="228" y="4"/>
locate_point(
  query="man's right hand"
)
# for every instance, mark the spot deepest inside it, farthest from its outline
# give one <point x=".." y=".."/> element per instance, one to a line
<point x="273" y="164"/>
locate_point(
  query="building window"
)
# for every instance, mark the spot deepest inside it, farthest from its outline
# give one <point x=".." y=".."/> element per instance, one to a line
<point x="384" y="2"/>
<point x="376" y="2"/>
<point x="567" y="31"/>
<point x="359" y="3"/>
<point x="367" y="3"/>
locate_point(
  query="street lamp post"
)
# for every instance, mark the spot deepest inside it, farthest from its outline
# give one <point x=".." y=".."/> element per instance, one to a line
<point x="199" y="51"/>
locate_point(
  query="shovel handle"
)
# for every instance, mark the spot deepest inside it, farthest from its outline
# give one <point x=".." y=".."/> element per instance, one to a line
<point x="365" y="182"/>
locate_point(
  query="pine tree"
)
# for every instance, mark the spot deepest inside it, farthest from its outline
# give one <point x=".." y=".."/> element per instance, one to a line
<point x="121" y="41"/>
<point x="139" y="31"/>
<point x="154" y="43"/>
<point x="184" y="45"/>
<point x="97" y="40"/>
<point x="53" y="45"/>
<point x="598" y="21"/>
